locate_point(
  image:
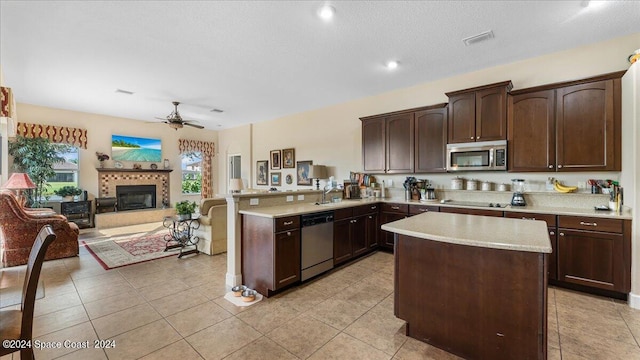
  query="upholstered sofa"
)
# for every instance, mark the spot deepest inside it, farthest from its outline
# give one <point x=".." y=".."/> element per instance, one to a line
<point x="212" y="233"/>
<point x="20" y="228"/>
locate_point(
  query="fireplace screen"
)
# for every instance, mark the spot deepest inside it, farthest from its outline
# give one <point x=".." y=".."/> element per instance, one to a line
<point x="134" y="197"/>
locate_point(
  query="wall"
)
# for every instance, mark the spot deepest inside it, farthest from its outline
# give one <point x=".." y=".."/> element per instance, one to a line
<point x="235" y="141"/>
<point x="332" y="136"/>
<point x="99" y="131"/>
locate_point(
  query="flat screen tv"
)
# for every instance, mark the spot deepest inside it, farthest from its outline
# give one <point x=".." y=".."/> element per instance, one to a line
<point x="128" y="148"/>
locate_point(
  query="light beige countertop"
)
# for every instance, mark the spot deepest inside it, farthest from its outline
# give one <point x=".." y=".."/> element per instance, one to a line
<point x="479" y="231"/>
<point x="299" y="208"/>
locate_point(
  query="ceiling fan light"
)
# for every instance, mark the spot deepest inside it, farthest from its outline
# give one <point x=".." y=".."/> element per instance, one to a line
<point x="175" y="126"/>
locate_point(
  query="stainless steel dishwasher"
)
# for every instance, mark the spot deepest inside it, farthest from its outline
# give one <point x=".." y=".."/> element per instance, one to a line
<point x="317" y="244"/>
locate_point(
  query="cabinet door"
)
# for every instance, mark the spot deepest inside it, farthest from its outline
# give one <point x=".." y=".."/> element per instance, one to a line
<point x="585" y="127"/>
<point x="532" y="144"/>
<point x="491" y="114"/>
<point x="372" y="230"/>
<point x="462" y="118"/>
<point x="287" y="258"/>
<point x="342" y="241"/>
<point x="431" y="140"/>
<point x="400" y="146"/>
<point x="386" y="238"/>
<point x="552" y="270"/>
<point x="373" y="145"/>
<point x="591" y="258"/>
<point x="358" y="230"/>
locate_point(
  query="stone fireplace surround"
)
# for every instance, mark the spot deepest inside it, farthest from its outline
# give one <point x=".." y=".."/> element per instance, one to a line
<point x="108" y="179"/>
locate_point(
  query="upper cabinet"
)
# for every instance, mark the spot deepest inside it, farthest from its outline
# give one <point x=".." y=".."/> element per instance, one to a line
<point x="478" y="114"/>
<point x="405" y="141"/>
<point x="566" y="127"/>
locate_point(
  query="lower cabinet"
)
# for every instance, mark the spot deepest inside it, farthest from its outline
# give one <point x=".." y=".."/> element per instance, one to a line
<point x="390" y="212"/>
<point x="270" y="252"/>
<point x="468" y="211"/>
<point x="595" y="252"/>
<point x="354" y="232"/>
<point x="550" y="219"/>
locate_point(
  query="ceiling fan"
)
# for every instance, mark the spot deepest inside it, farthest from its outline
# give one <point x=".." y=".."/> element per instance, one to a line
<point x="175" y="121"/>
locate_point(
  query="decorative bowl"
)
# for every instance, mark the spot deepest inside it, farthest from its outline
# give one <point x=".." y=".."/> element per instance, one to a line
<point x="237" y="290"/>
<point x="249" y="295"/>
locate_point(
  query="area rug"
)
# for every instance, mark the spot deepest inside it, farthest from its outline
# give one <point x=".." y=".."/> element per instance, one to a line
<point x="117" y="251"/>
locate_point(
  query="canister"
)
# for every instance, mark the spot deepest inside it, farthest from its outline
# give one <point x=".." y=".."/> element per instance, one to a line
<point x="502" y="187"/>
<point x="486" y="186"/>
<point x="456" y="183"/>
<point x="472" y="184"/>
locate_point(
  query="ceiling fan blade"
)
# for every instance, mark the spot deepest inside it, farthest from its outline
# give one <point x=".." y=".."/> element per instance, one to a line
<point x="194" y="125"/>
<point x="159" y="118"/>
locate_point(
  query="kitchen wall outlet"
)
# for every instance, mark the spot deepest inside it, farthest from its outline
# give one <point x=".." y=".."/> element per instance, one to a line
<point x="388" y="183"/>
<point x="582" y="185"/>
<point x="300" y="197"/>
<point x="289" y="197"/>
<point x="254" y="201"/>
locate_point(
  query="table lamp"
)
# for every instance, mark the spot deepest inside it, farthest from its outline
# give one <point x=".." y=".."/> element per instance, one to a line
<point x="318" y="172"/>
<point x="235" y="185"/>
<point x="19" y="182"/>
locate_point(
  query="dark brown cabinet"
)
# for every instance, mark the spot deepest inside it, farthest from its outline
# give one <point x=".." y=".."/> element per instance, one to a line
<point x="550" y="219"/>
<point x="571" y="126"/>
<point x="421" y="209"/>
<point x="478" y="114"/>
<point x="270" y="252"/>
<point x="468" y="211"/>
<point x="354" y="232"/>
<point x="431" y="140"/>
<point x="405" y="141"/>
<point x="390" y="212"/>
<point x="594" y="252"/>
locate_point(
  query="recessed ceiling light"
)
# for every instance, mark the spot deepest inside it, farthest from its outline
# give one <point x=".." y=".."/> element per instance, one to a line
<point x="326" y="12"/>
<point x="124" y="92"/>
<point x="392" y="65"/>
<point x="486" y="35"/>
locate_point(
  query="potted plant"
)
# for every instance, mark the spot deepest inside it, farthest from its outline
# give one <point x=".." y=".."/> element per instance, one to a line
<point x="36" y="157"/>
<point x="185" y="208"/>
<point x="68" y="192"/>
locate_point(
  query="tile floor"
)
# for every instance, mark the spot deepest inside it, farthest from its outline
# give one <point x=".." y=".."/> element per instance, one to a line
<point x="174" y="309"/>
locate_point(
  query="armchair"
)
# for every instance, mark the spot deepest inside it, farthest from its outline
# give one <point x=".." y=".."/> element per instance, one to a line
<point x="213" y="226"/>
<point x="20" y="227"/>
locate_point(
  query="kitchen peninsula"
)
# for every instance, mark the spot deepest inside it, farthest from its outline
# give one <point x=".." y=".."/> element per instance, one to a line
<point x="475" y="286"/>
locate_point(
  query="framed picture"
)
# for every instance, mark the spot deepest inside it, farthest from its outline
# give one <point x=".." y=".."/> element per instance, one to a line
<point x="262" y="172"/>
<point x="288" y="159"/>
<point x="303" y="172"/>
<point x="276" y="178"/>
<point x="276" y="157"/>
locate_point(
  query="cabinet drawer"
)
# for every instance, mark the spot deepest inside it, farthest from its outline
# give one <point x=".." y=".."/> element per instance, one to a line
<point x="287" y="223"/>
<point x="419" y="209"/>
<point x="549" y="218"/>
<point x="339" y="214"/>
<point x="467" y="211"/>
<point x="365" y="209"/>
<point x="396" y="208"/>
<point x="590" y="223"/>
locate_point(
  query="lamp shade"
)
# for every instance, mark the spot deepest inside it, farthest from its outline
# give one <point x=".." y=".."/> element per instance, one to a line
<point x="235" y="185"/>
<point x="19" y="181"/>
<point x="318" y="172"/>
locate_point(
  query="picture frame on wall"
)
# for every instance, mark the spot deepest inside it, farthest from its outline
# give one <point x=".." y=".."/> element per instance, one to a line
<point x="262" y="172"/>
<point x="302" y="172"/>
<point x="276" y="159"/>
<point x="276" y="178"/>
<point x="288" y="158"/>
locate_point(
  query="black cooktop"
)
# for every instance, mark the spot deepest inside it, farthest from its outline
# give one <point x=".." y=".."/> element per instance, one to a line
<point x="473" y="203"/>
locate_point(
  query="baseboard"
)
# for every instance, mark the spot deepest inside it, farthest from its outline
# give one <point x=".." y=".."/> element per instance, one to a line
<point x="634" y="301"/>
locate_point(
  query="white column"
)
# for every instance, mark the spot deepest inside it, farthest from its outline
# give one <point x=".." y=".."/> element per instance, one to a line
<point x="234" y="245"/>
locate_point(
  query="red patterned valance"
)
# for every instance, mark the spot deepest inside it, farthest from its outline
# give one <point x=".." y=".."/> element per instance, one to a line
<point x="205" y="147"/>
<point x="57" y="134"/>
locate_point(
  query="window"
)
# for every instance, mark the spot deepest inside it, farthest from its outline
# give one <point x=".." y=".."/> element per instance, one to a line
<point x="191" y="173"/>
<point x="66" y="173"/>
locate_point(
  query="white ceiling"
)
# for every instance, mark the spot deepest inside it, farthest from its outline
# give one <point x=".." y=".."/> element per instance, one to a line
<point x="260" y="60"/>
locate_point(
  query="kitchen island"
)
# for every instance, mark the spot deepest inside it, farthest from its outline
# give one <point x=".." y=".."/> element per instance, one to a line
<point x="475" y="286"/>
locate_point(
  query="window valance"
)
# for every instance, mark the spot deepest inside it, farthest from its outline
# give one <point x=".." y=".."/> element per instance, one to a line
<point x="58" y="134"/>
<point x="207" y="149"/>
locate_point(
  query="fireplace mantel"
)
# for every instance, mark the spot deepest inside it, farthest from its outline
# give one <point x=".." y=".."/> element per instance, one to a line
<point x="134" y="170"/>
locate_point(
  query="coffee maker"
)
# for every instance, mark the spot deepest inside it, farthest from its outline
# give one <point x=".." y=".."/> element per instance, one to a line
<point x="517" y="185"/>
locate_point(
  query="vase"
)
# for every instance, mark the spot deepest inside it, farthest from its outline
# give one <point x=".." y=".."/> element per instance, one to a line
<point x="184" y="216"/>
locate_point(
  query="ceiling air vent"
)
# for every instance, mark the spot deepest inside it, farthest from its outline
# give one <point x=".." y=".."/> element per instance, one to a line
<point x="478" y="38"/>
<point x="120" y="91"/>
<point x="217" y="110"/>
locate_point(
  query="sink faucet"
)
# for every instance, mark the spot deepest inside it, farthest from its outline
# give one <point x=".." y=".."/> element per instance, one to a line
<point x="324" y="194"/>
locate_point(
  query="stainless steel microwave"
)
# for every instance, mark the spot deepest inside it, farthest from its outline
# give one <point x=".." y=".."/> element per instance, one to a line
<point x="477" y="156"/>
